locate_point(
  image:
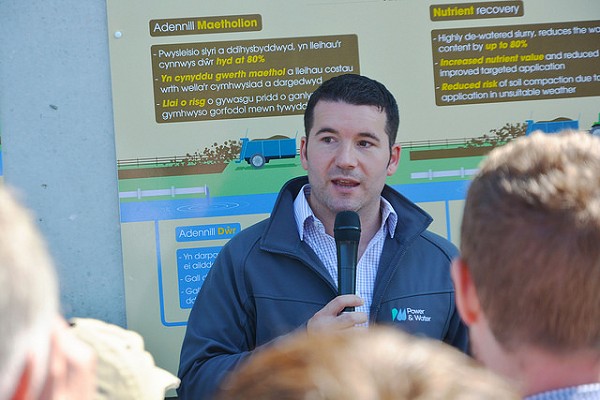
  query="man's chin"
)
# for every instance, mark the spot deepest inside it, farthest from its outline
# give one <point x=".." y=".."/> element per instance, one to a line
<point x="345" y="207"/>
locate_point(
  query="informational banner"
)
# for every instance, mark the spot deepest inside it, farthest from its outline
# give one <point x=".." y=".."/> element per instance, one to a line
<point x="516" y="62"/>
<point x="233" y="79"/>
<point x="208" y="101"/>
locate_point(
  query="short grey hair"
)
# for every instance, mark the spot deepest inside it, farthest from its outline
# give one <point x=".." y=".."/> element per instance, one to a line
<point x="29" y="300"/>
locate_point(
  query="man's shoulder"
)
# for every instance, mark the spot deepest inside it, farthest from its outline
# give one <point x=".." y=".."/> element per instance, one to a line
<point x="415" y="223"/>
<point x="441" y="243"/>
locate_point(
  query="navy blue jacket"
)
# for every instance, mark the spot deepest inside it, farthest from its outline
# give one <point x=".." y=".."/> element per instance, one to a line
<point x="266" y="282"/>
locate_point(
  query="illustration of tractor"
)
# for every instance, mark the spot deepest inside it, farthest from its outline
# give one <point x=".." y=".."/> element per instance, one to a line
<point x="554" y="126"/>
<point x="258" y="152"/>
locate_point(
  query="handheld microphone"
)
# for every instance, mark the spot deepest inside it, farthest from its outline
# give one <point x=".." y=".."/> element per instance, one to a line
<point x="346" y="232"/>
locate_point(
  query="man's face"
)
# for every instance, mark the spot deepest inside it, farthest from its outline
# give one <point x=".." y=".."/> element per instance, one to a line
<point x="347" y="157"/>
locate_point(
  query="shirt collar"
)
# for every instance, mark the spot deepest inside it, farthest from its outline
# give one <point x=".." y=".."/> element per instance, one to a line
<point x="304" y="214"/>
<point x="582" y="392"/>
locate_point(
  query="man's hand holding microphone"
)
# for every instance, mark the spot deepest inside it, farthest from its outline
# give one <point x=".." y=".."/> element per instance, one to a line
<point x="339" y="313"/>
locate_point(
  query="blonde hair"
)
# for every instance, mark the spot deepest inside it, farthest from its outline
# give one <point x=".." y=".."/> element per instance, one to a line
<point x="381" y="363"/>
<point x="28" y="295"/>
<point x="531" y="238"/>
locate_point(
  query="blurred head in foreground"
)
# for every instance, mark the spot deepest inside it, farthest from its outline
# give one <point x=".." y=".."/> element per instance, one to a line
<point x="527" y="281"/>
<point x="379" y="363"/>
<point x="41" y="356"/>
<point x="28" y="300"/>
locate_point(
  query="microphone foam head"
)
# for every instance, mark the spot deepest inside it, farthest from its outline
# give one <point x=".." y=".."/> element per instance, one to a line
<point x="347" y="226"/>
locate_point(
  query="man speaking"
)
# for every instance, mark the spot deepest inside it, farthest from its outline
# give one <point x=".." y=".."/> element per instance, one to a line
<point x="280" y="275"/>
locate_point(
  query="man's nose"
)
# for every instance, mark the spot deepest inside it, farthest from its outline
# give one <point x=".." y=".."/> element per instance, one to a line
<point x="346" y="156"/>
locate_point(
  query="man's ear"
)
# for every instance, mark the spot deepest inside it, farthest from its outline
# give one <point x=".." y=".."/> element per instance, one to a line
<point x="394" y="159"/>
<point x="467" y="301"/>
<point x="23" y="385"/>
<point x="303" y="152"/>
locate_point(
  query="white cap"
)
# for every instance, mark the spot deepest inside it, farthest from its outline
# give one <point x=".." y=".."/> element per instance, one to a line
<point x="124" y="369"/>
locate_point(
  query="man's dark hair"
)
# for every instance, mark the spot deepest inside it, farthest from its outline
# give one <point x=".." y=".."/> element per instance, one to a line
<point x="356" y="90"/>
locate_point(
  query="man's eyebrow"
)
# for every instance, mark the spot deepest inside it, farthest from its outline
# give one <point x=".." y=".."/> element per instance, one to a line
<point x="370" y="136"/>
<point x="325" y="130"/>
<point x="361" y="134"/>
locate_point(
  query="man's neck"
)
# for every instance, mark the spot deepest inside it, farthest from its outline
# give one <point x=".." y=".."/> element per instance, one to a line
<point x="541" y="371"/>
<point x="370" y="221"/>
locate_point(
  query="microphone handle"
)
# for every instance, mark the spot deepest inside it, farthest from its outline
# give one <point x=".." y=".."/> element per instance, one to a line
<point x="347" y="260"/>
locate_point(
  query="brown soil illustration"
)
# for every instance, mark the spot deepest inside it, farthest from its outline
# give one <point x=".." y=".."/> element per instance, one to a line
<point x="171" y="171"/>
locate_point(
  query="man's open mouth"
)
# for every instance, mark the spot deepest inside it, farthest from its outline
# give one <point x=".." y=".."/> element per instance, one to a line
<point x="345" y="183"/>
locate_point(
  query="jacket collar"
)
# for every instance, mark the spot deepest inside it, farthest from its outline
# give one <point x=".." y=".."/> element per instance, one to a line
<point x="281" y="234"/>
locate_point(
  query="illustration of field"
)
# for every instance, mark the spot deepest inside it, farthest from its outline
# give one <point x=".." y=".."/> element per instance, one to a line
<point x="263" y="165"/>
<point x="257" y="166"/>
